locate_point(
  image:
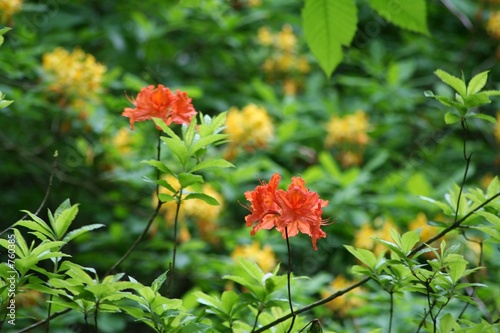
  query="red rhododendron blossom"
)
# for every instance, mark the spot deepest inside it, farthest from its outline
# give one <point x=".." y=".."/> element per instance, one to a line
<point x="160" y="103"/>
<point x="296" y="209"/>
<point x="263" y="207"/>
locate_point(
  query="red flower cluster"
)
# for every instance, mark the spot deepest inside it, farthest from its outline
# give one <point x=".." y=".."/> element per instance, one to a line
<point x="160" y="103"/>
<point x="296" y="209"/>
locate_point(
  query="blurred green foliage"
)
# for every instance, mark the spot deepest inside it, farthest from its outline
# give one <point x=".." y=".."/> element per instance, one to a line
<point x="214" y="50"/>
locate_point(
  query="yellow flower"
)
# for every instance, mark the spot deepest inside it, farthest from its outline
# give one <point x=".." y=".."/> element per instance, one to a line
<point x="122" y="141"/>
<point x="427" y="231"/>
<point x="254" y="3"/>
<point x="75" y="75"/>
<point x="303" y="65"/>
<point x="8" y="8"/>
<point x="264" y="36"/>
<point x="345" y="302"/>
<point x="264" y="257"/>
<point x="364" y="238"/>
<point x="493" y="25"/>
<point x="286" y="39"/>
<point x="251" y="127"/>
<point x="348" y="129"/>
<point x="290" y="87"/>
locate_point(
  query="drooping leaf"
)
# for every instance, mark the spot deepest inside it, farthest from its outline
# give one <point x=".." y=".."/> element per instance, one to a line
<point x="329" y="25"/>
<point x="411" y="15"/>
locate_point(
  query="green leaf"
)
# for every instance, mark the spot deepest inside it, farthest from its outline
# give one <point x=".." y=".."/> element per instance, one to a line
<point x="446" y="323"/>
<point x="476" y="100"/>
<point x="329" y="24"/>
<point x="165" y="184"/>
<point x="202" y="196"/>
<point x="485" y="117"/>
<point x="186" y="179"/>
<point x="216" y="163"/>
<point x="452" y="81"/>
<point x="205" y="141"/>
<point x="158" y="282"/>
<point x="363" y="255"/>
<point x="165" y="197"/>
<point x="451" y="118"/>
<point x="178" y="148"/>
<point x="190" y="132"/>
<point x="411" y="15"/>
<point x="477" y="83"/>
<point x="161" y="124"/>
<point x="492" y="218"/>
<point x="409" y="239"/>
<point x="4" y="103"/>
<point x="80" y="231"/>
<point x="158" y="165"/>
<point x="64" y="220"/>
<point x="43" y="229"/>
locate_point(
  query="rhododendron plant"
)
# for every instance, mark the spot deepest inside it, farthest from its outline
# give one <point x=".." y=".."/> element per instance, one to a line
<point x="161" y="103"/>
<point x="296" y="209"/>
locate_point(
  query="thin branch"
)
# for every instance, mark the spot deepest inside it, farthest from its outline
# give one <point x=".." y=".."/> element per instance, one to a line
<point x="47" y="191"/>
<point x="313" y="305"/>
<point x="41" y="322"/>
<point x="151" y="219"/>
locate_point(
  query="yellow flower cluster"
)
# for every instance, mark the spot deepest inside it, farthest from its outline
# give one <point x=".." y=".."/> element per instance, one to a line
<point x="349" y="133"/>
<point x="364" y="238"/>
<point x="122" y="141"/>
<point x="8" y="8"/>
<point x="76" y="75"/>
<point x="250" y="128"/>
<point x="346" y="302"/>
<point x="493" y="25"/>
<point x="202" y="213"/>
<point x="284" y="63"/>
<point x="264" y="257"/>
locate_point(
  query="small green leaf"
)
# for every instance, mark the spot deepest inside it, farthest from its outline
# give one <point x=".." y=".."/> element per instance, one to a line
<point x="178" y="148"/>
<point x="186" y="179"/>
<point x="477" y="83"/>
<point x="158" y="282"/>
<point x="485" y="117"/>
<point x="161" y="124"/>
<point x="216" y="163"/>
<point x="165" y="184"/>
<point x="80" y="231"/>
<point x="315" y="327"/>
<point x="158" y="165"/>
<point x="409" y="239"/>
<point x="202" y="196"/>
<point x="363" y="255"/>
<point x="64" y="220"/>
<point x="5" y="103"/>
<point x="451" y="118"/>
<point x="446" y="323"/>
<point x="476" y="100"/>
<point x="165" y="197"/>
<point x="452" y="81"/>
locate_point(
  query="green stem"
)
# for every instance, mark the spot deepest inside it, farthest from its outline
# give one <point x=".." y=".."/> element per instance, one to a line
<point x="150" y="222"/>
<point x="288" y="273"/>
<point x="174" y="252"/>
<point x="391" y="310"/>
